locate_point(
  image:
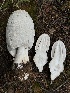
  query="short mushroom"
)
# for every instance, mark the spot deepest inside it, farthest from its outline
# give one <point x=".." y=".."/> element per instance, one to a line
<point x="42" y="46"/>
<point x="58" y="55"/>
<point x="20" y="35"/>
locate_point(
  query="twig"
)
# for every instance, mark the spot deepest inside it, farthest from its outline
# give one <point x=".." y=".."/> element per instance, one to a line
<point x="61" y="85"/>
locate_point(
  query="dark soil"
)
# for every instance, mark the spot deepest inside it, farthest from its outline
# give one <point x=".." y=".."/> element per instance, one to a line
<point x="51" y="17"/>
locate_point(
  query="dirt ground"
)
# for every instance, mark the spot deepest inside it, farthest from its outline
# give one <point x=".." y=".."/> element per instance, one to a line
<point x="51" y="17"/>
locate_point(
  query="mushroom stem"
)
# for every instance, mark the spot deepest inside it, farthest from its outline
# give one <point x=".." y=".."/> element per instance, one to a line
<point x="22" y="55"/>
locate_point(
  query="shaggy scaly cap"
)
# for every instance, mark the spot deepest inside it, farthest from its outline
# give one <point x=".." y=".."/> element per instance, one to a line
<point x="20" y="30"/>
<point x="58" y="55"/>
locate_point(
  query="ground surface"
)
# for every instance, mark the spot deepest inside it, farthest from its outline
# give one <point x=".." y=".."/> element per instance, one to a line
<point x="51" y="17"/>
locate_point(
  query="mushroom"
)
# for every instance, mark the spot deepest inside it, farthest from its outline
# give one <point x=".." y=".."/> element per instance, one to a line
<point x="20" y="35"/>
<point x="42" y="46"/>
<point x="58" y="55"/>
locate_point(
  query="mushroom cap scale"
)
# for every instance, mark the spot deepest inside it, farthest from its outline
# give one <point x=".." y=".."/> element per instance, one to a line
<point x="20" y="30"/>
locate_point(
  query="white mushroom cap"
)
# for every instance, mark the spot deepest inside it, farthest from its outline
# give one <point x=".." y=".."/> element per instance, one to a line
<point x="59" y="47"/>
<point x="40" y="60"/>
<point x="58" y="55"/>
<point x="42" y="46"/>
<point x="20" y="30"/>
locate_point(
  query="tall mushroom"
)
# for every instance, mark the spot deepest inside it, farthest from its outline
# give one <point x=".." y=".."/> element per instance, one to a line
<point x="20" y="35"/>
<point x="42" y="46"/>
<point x="58" y="55"/>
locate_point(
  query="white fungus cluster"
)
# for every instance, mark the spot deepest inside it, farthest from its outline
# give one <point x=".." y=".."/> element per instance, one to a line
<point x="20" y="38"/>
<point x="58" y="55"/>
<point x="42" y="46"/>
<point x="20" y="34"/>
